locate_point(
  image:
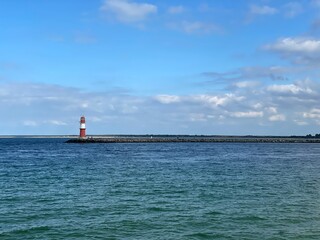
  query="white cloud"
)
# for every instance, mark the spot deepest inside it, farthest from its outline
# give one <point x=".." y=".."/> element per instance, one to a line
<point x="257" y="105"/>
<point x="176" y="9"/>
<point x="314" y="114"/>
<point x="114" y="112"/>
<point x="272" y="110"/>
<point x="277" y="118"/>
<point x="129" y="108"/>
<point x="129" y="12"/>
<point x="295" y="45"/>
<point x="57" y="122"/>
<point x="249" y="114"/>
<point x="84" y="105"/>
<point x="290" y="88"/>
<point x="198" y="117"/>
<point x="246" y="84"/>
<point x="304" y="51"/>
<point x="262" y="10"/>
<point x="300" y="123"/>
<point x="215" y="101"/>
<point x="167" y="99"/>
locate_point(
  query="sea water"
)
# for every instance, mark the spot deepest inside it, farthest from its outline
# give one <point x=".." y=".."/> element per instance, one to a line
<point x="53" y="190"/>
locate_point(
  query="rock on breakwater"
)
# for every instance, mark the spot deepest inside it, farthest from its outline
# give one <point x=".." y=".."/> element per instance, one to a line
<point x="177" y="139"/>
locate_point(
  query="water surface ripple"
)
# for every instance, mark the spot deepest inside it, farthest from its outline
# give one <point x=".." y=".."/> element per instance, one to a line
<point x="53" y="190"/>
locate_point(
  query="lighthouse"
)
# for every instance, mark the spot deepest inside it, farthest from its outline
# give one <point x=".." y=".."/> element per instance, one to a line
<point x="82" y="127"/>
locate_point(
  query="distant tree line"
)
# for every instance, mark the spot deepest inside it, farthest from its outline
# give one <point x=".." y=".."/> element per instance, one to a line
<point x="315" y="136"/>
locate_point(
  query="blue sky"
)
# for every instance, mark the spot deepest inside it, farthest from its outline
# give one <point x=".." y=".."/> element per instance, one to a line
<point x="160" y="67"/>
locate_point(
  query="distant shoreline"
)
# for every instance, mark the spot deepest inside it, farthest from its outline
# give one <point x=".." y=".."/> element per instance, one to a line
<point x="38" y="136"/>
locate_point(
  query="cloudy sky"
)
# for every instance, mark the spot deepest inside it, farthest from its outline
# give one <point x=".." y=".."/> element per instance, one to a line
<point x="160" y="67"/>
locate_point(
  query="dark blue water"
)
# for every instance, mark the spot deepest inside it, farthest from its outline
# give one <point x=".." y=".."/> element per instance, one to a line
<point x="53" y="190"/>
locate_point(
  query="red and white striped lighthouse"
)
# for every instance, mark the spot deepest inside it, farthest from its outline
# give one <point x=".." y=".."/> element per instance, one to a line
<point x="82" y="127"/>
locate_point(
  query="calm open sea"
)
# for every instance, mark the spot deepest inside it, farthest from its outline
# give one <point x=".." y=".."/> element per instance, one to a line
<point x="53" y="190"/>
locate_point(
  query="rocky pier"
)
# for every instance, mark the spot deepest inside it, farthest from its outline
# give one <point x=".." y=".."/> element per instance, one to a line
<point x="177" y="139"/>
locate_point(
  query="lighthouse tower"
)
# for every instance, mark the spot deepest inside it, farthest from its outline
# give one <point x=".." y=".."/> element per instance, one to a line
<point x="82" y="127"/>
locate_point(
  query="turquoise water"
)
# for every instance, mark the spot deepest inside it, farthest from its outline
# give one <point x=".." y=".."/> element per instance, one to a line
<point x="53" y="190"/>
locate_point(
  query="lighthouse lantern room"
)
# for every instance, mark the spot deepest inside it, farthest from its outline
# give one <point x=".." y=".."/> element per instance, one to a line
<point x="82" y="127"/>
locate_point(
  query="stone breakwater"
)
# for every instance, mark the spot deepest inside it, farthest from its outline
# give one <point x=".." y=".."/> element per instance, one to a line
<point x="243" y="139"/>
